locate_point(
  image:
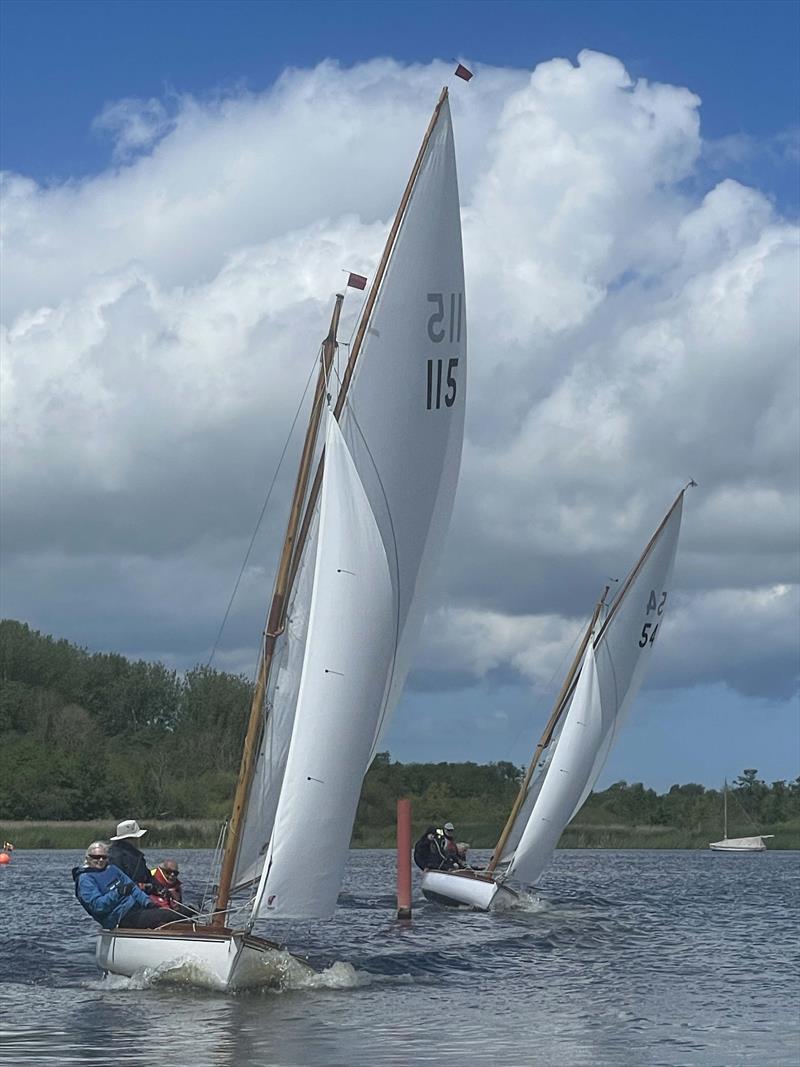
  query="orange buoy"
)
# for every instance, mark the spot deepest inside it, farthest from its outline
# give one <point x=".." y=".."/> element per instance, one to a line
<point x="4" y="858"/>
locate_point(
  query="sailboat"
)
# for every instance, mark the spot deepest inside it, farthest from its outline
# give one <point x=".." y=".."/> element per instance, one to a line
<point x="366" y="527"/>
<point x="589" y="711"/>
<point x="736" y="844"/>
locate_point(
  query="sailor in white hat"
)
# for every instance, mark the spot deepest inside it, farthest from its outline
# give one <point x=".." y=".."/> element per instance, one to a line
<point x="124" y="854"/>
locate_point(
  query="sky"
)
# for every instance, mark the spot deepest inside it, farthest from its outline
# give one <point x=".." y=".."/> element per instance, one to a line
<point x="183" y="185"/>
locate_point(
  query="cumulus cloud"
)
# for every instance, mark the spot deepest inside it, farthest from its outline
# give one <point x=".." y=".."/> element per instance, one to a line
<point x="160" y="320"/>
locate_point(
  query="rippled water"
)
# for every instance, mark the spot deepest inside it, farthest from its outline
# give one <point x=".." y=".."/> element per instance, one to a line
<point x="625" y="959"/>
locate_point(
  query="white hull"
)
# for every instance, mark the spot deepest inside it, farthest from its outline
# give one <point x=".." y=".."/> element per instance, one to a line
<point x="221" y="959"/>
<point x="739" y="844"/>
<point x="471" y="889"/>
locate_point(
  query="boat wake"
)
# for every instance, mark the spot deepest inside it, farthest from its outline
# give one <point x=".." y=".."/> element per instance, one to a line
<point x="525" y="900"/>
<point x="278" y="974"/>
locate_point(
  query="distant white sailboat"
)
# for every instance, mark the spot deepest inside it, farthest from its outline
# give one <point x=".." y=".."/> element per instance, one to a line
<point x="736" y="844"/>
<point x="589" y="711"/>
<point x="364" y="536"/>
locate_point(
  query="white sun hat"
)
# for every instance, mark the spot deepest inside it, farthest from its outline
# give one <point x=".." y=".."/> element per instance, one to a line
<point x="128" y="828"/>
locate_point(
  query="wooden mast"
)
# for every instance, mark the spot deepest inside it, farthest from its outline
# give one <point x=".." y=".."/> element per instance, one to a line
<point x="275" y="622"/>
<point x="295" y="538"/>
<point x="544" y="740"/>
<point x="364" y="322"/>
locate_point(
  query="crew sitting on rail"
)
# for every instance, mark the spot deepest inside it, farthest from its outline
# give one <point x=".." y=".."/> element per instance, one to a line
<point x="435" y="851"/>
<point x="111" y="897"/>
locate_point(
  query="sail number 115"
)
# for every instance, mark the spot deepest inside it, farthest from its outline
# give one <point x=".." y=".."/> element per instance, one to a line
<point x="444" y="324"/>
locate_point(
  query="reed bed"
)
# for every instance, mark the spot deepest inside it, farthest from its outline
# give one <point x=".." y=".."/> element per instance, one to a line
<point x="186" y="833"/>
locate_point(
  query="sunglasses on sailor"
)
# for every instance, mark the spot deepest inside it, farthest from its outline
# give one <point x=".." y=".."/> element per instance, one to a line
<point x="171" y="872"/>
<point x="97" y="859"/>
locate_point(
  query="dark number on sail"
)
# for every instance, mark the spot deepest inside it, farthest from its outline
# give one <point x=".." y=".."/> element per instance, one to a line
<point x="654" y="604"/>
<point x="444" y="322"/>
<point x="649" y="630"/>
<point x="647" y="635"/>
<point x="441" y="383"/>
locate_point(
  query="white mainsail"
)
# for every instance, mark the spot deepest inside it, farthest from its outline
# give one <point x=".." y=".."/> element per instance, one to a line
<point x="402" y="426"/>
<point x="620" y="655"/>
<point x="404" y="420"/>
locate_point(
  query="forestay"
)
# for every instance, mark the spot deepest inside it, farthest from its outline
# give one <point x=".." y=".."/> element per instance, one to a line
<point x="621" y="652"/>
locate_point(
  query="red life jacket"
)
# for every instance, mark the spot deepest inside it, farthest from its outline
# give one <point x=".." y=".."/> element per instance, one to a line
<point x="170" y="890"/>
<point x="451" y="848"/>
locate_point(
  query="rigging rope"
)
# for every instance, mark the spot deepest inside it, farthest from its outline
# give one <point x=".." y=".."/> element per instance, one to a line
<point x="263" y="510"/>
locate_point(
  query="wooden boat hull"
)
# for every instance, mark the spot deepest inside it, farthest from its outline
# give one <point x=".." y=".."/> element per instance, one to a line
<point x="470" y="889"/>
<point x="739" y="844"/>
<point x="222" y="959"/>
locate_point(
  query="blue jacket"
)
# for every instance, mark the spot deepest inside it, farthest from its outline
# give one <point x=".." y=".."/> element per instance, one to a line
<point x="106" y="896"/>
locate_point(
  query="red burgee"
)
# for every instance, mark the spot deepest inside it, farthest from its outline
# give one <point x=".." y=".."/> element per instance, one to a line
<point x="357" y="281"/>
<point x="462" y="72"/>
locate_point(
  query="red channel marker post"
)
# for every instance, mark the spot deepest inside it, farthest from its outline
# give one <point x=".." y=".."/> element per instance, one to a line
<point x="404" y="859"/>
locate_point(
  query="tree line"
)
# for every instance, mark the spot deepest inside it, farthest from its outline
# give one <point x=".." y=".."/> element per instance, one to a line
<point x="87" y="736"/>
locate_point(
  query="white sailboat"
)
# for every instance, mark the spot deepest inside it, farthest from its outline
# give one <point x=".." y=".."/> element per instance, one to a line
<point x="736" y="844"/>
<point x="589" y="712"/>
<point x="364" y="533"/>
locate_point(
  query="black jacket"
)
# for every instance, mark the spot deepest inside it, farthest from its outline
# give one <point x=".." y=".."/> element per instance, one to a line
<point x="430" y="852"/>
<point x="125" y="855"/>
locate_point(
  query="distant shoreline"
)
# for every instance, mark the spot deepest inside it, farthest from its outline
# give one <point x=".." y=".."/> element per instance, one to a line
<point x="204" y="833"/>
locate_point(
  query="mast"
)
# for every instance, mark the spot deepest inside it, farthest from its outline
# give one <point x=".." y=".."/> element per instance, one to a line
<point x="363" y="324"/>
<point x="275" y="622"/>
<point x="558" y="710"/>
<point x="725" y="811"/>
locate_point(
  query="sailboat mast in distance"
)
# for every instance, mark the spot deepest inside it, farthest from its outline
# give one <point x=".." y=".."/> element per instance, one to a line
<point x="589" y="712"/>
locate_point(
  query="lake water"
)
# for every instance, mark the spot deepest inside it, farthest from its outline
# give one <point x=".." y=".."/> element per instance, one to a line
<point x="626" y="959"/>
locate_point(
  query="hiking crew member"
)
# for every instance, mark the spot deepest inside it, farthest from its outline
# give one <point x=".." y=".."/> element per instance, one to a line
<point x="168" y="886"/>
<point x="456" y="856"/>
<point x="111" y="897"/>
<point x="436" y="851"/>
